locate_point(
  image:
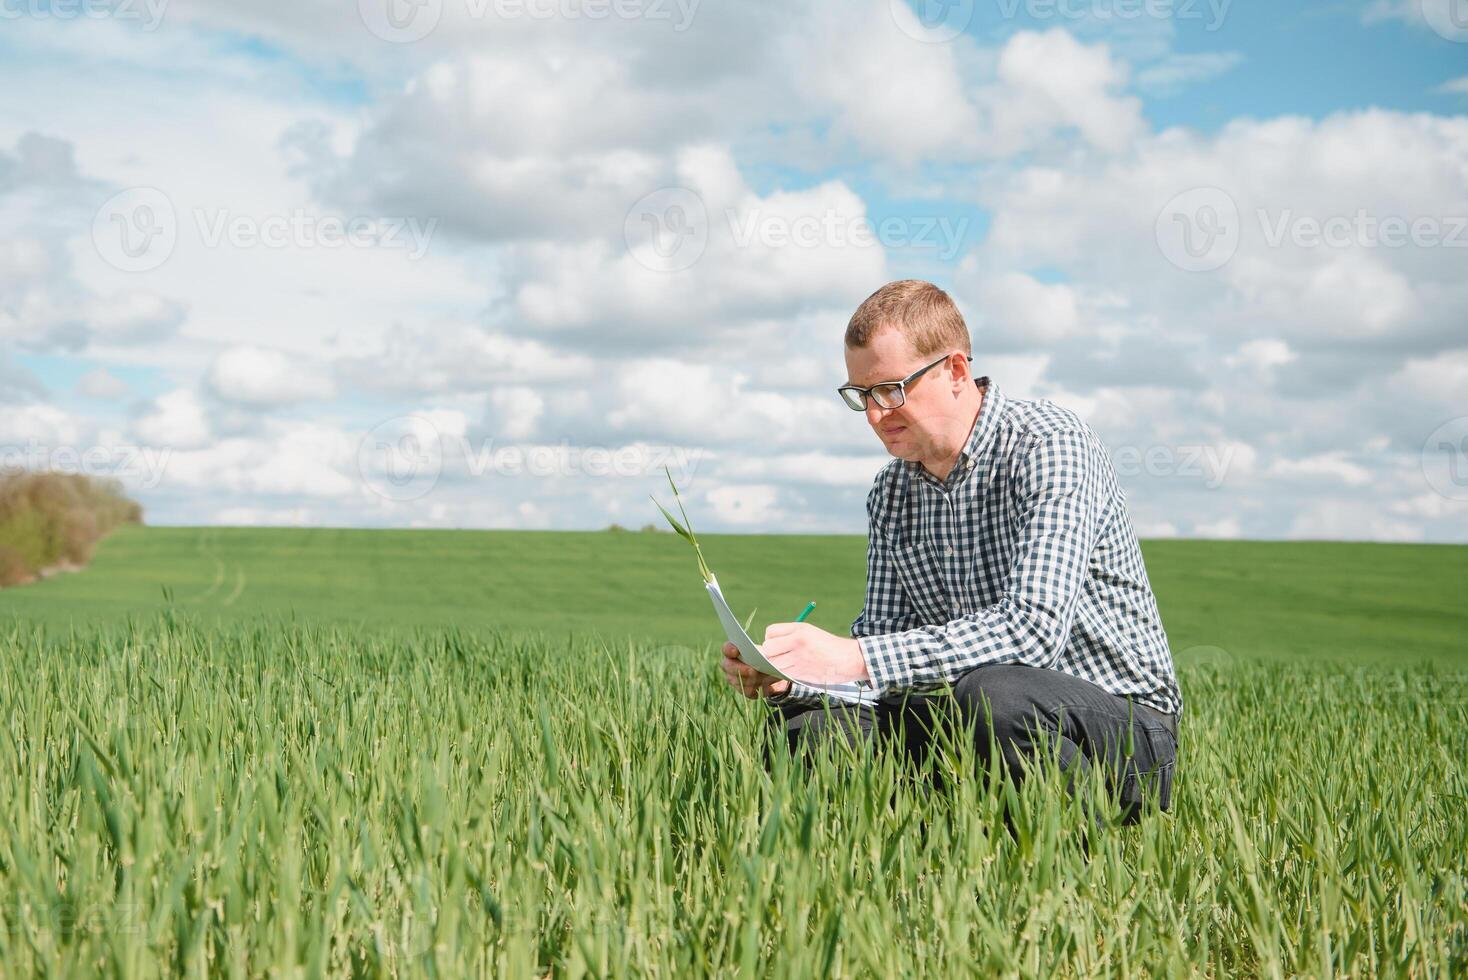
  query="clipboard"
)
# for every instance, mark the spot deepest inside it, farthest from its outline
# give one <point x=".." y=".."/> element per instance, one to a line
<point x="750" y="654"/>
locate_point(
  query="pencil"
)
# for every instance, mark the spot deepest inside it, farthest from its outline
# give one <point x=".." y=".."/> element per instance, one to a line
<point x="809" y="606"/>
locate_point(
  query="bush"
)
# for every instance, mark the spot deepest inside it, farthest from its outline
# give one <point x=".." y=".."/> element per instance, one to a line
<point x="50" y="519"/>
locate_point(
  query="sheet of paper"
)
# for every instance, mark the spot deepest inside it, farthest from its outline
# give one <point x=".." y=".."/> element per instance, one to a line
<point x="749" y="652"/>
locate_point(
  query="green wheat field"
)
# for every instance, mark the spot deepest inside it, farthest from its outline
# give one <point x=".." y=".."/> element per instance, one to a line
<point x="300" y="753"/>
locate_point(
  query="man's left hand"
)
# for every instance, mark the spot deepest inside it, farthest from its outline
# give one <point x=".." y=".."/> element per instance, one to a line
<point x="810" y="654"/>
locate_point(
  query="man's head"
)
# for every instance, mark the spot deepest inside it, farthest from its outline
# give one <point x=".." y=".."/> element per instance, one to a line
<point x="900" y="328"/>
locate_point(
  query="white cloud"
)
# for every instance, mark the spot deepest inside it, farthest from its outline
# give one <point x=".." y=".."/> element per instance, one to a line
<point x="101" y="384"/>
<point x="262" y="378"/>
<point x="1338" y="519"/>
<point x="39" y="425"/>
<point x="809" y="467"/>
<point x="747" y="505"/>
<point x="1052" y="80"/>
<point x="768" y="255"/>
<point x="1441" y="16"/>
<point x="1015" y="311"/>
<point x="134" y="316"/>
<point x="1177" y="71"/>
<point x="529" y="321"/>
<point x="1329" y="468"/>
<point x="176" y="420"/>
<point x="1227" y="527"/>
<point x="516" y="410"/>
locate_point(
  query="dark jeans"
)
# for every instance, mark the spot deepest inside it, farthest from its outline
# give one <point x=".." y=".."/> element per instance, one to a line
<point x="1087" y="726"/>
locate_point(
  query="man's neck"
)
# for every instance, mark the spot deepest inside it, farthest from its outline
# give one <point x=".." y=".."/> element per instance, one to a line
<point x="943" y="467"/>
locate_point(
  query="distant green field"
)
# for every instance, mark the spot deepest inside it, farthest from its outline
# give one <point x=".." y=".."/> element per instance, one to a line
<point x="376" y="754"/>
<point x="1384" y="603"/>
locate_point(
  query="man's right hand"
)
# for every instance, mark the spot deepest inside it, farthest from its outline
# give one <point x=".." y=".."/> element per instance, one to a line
<point x="748" y="681"/>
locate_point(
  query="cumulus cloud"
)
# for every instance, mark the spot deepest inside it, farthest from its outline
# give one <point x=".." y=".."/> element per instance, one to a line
<point x="1287" y="390"/>
<point x="101" y="384"/>
<point x="262" y="378"/>
<point x="17" y="383"/>
<point x="44" y="307"/>
<point x="177" y="419"/>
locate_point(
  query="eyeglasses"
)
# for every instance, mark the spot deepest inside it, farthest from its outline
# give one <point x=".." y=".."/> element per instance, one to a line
<point x="888" y="394"/>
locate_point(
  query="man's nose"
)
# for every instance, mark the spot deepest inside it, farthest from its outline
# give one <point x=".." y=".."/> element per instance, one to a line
<point x="876" y="413"/>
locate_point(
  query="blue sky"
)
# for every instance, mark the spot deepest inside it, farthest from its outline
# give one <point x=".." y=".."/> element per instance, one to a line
<point x="1051" y="165"/>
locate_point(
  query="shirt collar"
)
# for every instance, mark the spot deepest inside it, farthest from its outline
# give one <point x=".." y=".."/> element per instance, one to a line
<point x="979" y="437"/>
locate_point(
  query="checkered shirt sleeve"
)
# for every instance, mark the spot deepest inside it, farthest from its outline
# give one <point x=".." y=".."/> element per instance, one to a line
<point x="887" y="608"/>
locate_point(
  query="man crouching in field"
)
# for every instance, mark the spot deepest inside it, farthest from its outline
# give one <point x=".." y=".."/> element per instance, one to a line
<point x="1002" y="568"/>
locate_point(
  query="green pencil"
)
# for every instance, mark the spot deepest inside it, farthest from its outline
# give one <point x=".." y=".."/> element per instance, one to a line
<point x="809" y="606"/>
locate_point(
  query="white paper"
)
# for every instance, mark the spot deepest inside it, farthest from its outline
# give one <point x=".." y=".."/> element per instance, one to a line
<point x="750" y="654"/>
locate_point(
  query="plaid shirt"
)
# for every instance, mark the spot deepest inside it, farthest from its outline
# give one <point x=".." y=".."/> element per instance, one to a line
<point x="1023" y="554"/>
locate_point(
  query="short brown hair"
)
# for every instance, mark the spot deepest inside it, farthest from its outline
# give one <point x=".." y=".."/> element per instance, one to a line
<point x="924" y="314"/>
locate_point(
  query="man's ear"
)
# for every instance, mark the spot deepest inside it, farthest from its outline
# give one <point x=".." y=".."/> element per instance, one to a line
<point x="958" y="371"/>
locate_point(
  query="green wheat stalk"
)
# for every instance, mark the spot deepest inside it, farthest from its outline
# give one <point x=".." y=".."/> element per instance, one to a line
<point x="686" y="528"/>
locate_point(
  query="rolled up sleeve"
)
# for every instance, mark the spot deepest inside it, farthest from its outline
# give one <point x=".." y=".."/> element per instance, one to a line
<point x="887" y="608"/>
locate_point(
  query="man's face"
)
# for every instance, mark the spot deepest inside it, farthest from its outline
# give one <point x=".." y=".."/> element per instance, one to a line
<point x="908" y="432"/>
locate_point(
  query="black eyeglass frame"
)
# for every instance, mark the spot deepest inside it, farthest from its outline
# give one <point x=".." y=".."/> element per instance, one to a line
<point x="898" y="387"/>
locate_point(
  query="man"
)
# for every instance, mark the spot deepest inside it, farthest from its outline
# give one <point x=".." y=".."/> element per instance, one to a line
<point x="1004" y="579"/>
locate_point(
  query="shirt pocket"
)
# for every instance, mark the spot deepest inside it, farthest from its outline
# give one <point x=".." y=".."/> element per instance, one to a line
<point x="921" y="575"/>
